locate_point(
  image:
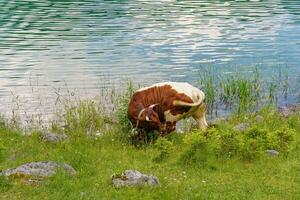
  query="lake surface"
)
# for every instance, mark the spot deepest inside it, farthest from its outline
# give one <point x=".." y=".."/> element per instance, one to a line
<point x="47" y="47"/>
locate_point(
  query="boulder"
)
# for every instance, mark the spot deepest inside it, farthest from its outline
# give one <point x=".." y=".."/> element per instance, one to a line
<point x="38" y="170"/>
<point x="52" y="137"/>
<point x="134" y="178"/>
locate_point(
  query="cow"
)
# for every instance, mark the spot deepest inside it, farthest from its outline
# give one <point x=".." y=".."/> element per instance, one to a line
<point x="160" y="106"/>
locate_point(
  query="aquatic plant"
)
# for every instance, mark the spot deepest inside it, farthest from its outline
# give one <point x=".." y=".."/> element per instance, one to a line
<point x="241" y="93"/>
<point x="208" y="82"/>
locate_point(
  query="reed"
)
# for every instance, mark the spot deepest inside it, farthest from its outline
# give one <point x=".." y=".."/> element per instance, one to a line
<point x="208" y="81"/>
<point x="238" y="93"/>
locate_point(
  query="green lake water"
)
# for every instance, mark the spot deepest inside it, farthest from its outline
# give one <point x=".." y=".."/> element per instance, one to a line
<point x="48" y="46"/>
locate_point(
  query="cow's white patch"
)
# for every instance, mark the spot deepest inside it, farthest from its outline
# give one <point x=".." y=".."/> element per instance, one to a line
<point x="157" y="85"/>
<point x="181" y="87"/>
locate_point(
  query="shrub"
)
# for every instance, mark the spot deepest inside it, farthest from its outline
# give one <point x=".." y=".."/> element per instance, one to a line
<point x="164" y="148"/>
<point x="197" y="151"/>
<point x="254" y="143"/>
<point x="251" y="149"/>
<point x="225" y="142"/>
<point x="229" y="144"/>
<point x="283" y="139"/>
<point x="260" y="135"/>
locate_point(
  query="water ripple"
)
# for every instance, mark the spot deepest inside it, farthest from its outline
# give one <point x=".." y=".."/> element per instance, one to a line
<point x="90" y="44"/>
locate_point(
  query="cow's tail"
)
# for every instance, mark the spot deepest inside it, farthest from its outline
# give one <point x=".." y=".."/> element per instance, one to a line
<point x="200" y="100"/>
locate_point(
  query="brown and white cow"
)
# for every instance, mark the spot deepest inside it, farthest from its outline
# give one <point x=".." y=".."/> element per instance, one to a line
<point x="161" y="105"/>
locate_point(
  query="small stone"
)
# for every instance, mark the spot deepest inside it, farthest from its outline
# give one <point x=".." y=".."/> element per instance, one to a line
<point x="52" y="137"/>
<point x="242" y="127"/>
<point x="180" y="131"/>
<point x="272" y="152"/>
<point x="216" y="121"/>
<point x="134" y="178"/>
<point x="39" y="170"/>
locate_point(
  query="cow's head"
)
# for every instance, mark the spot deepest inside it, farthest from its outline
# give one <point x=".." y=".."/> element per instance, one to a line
<point x="150" y="117"/>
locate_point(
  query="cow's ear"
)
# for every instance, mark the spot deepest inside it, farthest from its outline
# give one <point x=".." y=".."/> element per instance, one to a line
<point x="149" y="113"/>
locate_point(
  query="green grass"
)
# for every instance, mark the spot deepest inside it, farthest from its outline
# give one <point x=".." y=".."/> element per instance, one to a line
<point x="216" y="164"/>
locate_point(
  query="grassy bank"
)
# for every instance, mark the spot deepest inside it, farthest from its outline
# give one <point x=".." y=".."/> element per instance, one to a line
<point x="222" y="163"/>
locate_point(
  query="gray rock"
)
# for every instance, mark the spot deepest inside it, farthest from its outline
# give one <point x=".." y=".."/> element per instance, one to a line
<point x="134" y="178"/>
<point x="288" y="110"/>
<point x="52" y="137"/>
<point x="39" y="170"/>
<point x="271" y="152"/>
<point x="242" y="127"/>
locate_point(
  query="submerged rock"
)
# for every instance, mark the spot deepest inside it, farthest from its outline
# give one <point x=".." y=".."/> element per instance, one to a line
<point x="271" y="152"/>
<point x="38" y="170"/>
<point x="52" y="137"/>
<point x="134" y="178"/>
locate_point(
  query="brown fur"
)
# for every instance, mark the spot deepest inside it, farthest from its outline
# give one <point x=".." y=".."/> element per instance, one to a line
<point x="164" y="96"/>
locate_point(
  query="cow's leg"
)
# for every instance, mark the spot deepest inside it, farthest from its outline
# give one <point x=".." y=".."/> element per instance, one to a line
<point x="199" y="116"/>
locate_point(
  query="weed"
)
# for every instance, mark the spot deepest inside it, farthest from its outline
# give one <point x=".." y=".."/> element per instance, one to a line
<point x="82" y="116"/>
<point x="122" y="108"/>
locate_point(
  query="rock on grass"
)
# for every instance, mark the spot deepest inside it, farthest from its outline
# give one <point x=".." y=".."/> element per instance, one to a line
<point x="271" y="152"/>
<point x="39" y="170"/>
<point x="134" y="178"/>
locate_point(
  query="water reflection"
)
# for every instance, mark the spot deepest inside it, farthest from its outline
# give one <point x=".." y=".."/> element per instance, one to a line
<point x="95" y="43"/>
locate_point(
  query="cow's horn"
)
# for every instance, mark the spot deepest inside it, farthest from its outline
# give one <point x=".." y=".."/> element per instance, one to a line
<point x="153" y="105"/>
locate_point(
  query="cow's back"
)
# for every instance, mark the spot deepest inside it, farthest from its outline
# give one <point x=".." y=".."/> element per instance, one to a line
<point x="180" y="87"/>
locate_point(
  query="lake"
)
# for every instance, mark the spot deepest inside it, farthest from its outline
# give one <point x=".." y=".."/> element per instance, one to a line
<point x="53" y="46"/>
